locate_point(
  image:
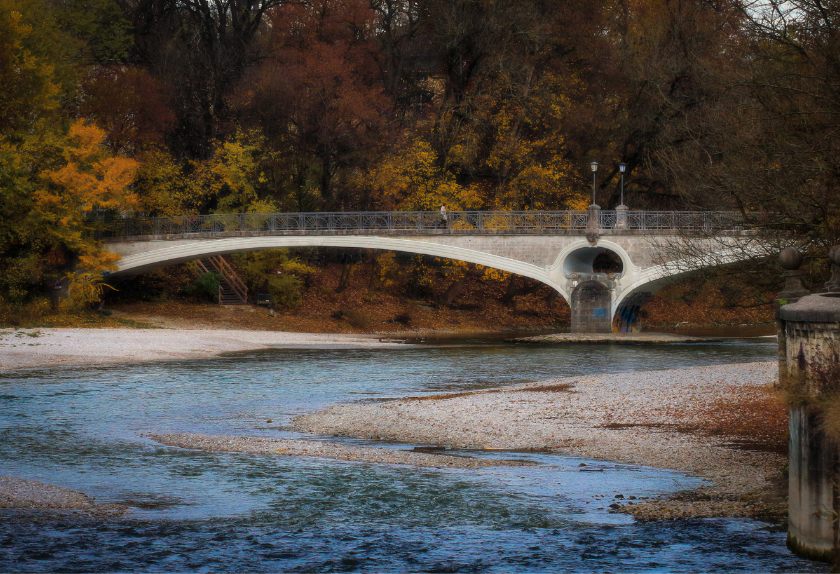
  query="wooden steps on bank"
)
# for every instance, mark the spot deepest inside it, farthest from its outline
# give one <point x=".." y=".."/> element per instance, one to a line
<point x="232" y="290"/>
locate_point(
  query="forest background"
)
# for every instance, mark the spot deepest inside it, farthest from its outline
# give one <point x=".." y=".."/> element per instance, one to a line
<point x="113" y="108"/>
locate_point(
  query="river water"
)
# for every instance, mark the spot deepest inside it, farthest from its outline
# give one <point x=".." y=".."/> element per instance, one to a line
<point x="84" y="429"/>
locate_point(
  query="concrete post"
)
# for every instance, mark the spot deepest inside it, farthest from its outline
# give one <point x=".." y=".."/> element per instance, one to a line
<point x="791" y="260"/>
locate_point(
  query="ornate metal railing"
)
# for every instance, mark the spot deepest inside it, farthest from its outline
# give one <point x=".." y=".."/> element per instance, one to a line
<point x="418" y="221"/>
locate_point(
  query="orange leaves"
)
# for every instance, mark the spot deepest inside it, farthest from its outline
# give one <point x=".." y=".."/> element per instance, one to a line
<point x="677" y="304"/>
<point x="89" y="181"/>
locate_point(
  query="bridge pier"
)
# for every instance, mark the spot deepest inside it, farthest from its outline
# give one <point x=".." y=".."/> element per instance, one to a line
<point x="591" y="305"/>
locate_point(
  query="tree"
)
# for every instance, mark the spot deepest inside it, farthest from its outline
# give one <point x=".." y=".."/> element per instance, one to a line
<point x="130" y="105"/>
<point x="317" y="99"/>
<point x="769" y="150"/>
<point x="201" y="48"/>
<point x="91" y="182"/>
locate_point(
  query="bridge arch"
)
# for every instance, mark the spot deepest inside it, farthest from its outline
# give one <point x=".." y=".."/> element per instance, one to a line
<point x="560" y="259"/>
<point x="182" y="251"/>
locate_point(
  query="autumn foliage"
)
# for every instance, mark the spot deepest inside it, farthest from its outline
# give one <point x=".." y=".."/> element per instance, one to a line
<point x="113" y="108"/>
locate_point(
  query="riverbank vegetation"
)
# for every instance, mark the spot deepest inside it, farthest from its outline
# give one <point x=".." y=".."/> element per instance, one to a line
<point x="116" y="108"/>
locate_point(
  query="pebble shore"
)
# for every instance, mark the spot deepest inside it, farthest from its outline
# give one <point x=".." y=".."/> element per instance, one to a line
<point x="34" y="348"/>
<point x="624" y="417"/>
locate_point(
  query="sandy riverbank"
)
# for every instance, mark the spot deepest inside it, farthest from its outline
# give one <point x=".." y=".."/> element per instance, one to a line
<point x="667" y="419"/>
<point x="32" y="348"/>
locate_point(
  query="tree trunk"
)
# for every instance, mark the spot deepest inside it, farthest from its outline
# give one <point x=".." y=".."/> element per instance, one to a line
<point x="454" y="291"/>
<point x="344" y="280"/>
<point x="457" y="287"/>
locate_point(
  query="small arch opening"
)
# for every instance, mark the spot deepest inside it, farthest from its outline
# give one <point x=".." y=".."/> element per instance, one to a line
<point x="593" y="260"/>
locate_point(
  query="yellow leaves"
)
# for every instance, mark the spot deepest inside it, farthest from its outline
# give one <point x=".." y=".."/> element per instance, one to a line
<point x="387" y="268"/>
<point x="165" y="187"/>
<point x="169" y="187"/>
<point x="83" y="289"/>
<point x="28" y="90"/>
<point x="578" y="202"/>
<point x="90" y="181"/>
<point x="411" y="179"/>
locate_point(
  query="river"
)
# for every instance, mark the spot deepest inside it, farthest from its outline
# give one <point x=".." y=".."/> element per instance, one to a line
<point x="84" y="428"/>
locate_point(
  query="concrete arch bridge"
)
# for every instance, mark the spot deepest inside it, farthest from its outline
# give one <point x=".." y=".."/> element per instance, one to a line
<point x="601" y="262"/>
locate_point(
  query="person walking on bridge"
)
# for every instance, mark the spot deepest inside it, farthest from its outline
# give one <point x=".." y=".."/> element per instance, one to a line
<point x="444" y="221"/>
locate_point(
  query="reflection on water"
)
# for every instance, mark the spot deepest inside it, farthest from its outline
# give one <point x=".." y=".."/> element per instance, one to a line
<point x="192" y="510"/>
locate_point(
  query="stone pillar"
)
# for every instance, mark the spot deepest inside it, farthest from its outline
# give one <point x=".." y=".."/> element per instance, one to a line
<point x="621" y="217"/>
<point x="810" y="329"/>
<point x="833" y="284"/>
<point x="791" y="260"/>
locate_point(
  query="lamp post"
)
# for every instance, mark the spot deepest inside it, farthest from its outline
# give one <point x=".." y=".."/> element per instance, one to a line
<point x="594" y="166"/>
<point x="622" y="167"/>
<point x="621" y="210"/>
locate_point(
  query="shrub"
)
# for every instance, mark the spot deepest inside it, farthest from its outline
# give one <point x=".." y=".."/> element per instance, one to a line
<point x="275" y="272"/>
<point x="206" y="286"/>
<point x="354" y="317"/>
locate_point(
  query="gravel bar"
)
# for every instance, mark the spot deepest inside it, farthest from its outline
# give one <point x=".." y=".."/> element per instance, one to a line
<point x="20" y="493"/>
<point x="282" y="447"/>
<point x="624" y="417"/>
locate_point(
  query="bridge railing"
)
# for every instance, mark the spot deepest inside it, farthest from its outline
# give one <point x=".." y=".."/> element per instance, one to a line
<point x="417" y="221"/>
<point x="676" y="220"/>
